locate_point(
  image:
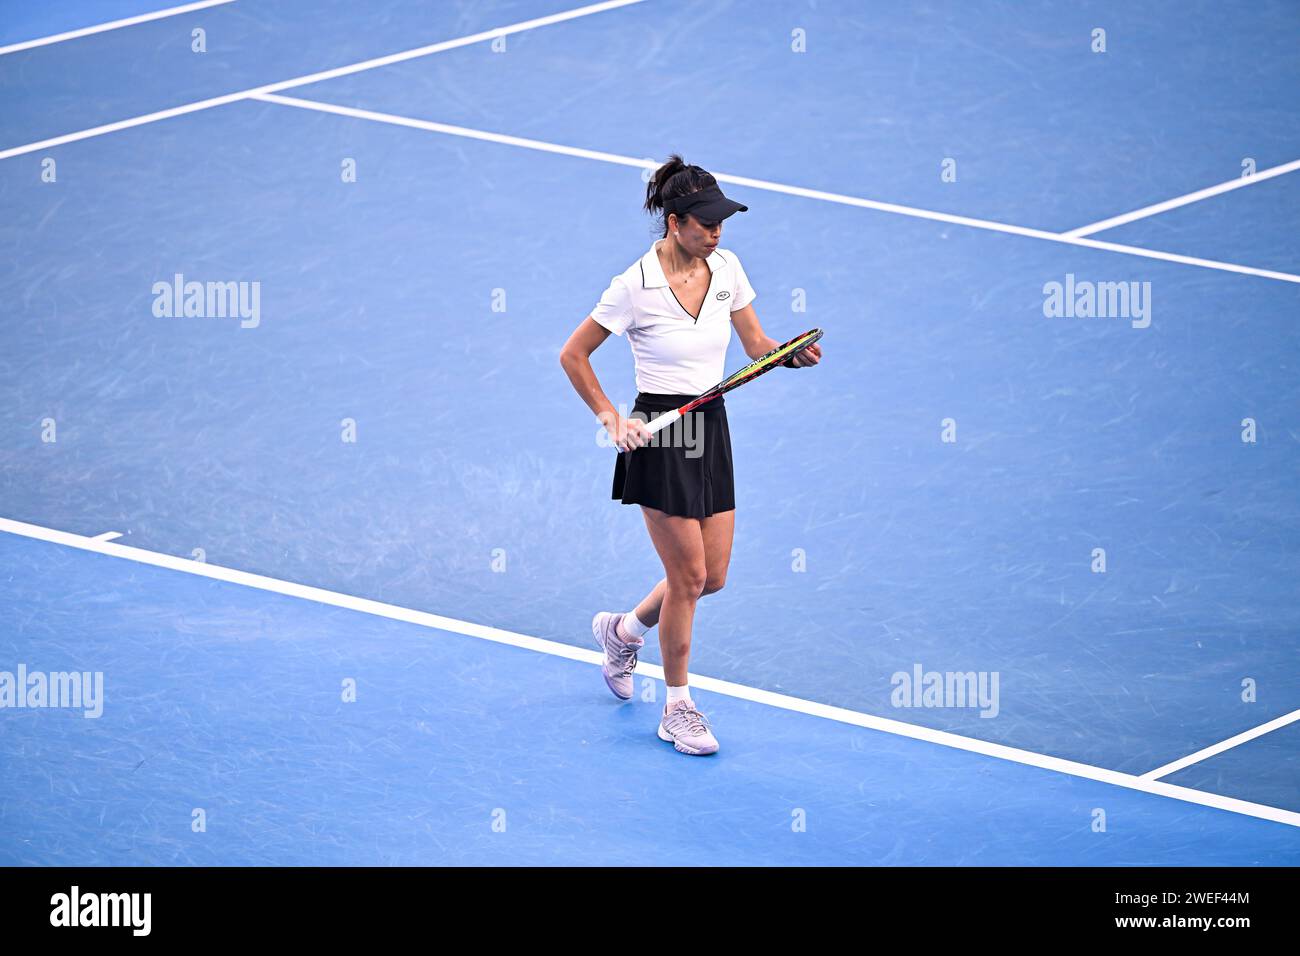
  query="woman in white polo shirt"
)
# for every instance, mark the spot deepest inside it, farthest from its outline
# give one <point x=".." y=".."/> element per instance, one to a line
<point x="677" y="305"/>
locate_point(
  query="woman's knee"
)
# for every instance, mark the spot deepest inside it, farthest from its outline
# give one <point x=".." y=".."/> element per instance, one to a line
<point x="715" y="581"/>
<point x="690" y="580"/>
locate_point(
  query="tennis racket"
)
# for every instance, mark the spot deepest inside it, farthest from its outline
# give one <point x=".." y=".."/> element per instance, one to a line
<point x="778" y="356"/>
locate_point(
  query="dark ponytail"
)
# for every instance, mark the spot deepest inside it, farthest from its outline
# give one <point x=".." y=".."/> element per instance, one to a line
<point x="674" y="178"/>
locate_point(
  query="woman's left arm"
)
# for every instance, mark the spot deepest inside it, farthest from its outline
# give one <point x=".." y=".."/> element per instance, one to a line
<point x="757" y="342"/>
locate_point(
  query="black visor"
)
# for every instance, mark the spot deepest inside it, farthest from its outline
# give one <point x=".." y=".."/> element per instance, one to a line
<point x="706" y="205"/>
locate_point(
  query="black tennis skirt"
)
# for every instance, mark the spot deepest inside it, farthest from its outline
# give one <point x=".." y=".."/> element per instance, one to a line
<point x="686" y="469"/>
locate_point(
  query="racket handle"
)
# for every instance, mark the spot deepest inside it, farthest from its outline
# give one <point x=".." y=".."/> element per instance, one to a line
<point x="662" y="421"/>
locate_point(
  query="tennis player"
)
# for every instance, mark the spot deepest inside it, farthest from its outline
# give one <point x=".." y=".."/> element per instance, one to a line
<point x="677" y="305"/>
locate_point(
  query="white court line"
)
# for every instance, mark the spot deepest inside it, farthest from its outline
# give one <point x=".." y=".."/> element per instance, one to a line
<point x="1174" y="203"/>
<point x="112" y="25"/>
<point x="315" y="77"/>
<point x="739" y="691"/>
<point x="107" y="536"/>
<point x="1220" y="747"/>
<point x="912" y="211"/>
<point x="261" y="92"/>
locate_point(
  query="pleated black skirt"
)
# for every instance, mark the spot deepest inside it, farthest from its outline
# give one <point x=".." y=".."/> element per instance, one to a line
<point x="686" y="470"/>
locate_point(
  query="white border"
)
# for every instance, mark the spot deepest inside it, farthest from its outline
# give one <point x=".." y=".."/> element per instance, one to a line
<point x="1223" y="745"/>
<point x="430" y="126"/>
<point x="739" y="691"/>
<point x="363" y="65"/>
<point x="1174" y="203"/>
<point x="112" y="25"/>
<point x="1076" y="237"/>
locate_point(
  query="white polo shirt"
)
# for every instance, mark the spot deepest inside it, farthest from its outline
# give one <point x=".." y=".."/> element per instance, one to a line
<point x="675" y="352"/>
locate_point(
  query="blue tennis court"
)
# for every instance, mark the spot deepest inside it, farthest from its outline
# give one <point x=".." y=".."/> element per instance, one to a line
<point x="332" y="555"/>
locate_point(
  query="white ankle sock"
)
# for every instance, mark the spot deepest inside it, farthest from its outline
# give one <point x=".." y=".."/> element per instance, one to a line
<point x="678" y="693"/>
<point x="630" y="625"/>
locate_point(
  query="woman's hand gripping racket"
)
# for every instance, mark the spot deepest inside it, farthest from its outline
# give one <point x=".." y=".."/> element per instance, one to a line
<point x="780" y="355"/>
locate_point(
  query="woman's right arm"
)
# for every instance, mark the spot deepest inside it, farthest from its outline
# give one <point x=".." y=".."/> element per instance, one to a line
<point x="575" y="359"/>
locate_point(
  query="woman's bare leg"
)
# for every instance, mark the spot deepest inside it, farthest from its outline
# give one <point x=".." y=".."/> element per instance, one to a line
<point x="647" y="612"/>
<point x="680" y="544"/>
<point x="718" y="532"/>
<point x="695" y="555"/>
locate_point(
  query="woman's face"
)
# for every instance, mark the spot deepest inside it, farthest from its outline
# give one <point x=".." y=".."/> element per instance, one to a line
<point x="699" y="239"/>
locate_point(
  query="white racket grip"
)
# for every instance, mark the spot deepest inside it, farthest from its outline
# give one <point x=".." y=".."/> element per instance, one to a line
<point x="663" y="421"/>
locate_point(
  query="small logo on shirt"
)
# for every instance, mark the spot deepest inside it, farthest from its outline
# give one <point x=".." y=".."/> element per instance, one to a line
<point x="723" y="295"/>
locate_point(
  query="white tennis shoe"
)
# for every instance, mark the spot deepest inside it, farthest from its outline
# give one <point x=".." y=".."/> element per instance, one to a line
<point x="620" y="655"/>
<point x="687" y="729"/>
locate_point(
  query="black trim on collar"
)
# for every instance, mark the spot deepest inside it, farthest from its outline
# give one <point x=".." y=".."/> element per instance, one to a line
<point x="707" y="293"/>
<point x="694" y="318"/>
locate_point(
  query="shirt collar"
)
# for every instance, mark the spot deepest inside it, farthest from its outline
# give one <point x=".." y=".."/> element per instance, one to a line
<point x="652" y="272"/>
